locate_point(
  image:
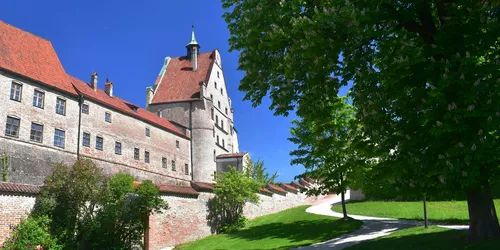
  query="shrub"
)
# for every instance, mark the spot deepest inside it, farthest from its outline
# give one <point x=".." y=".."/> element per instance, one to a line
<point x="241" y="222"/>
<point x="32" y="233"/>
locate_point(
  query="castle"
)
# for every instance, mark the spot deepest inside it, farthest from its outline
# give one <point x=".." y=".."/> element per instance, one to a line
<point x="185" y="134"/>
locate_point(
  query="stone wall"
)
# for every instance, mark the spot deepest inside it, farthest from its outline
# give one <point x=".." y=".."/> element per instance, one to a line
<point x="13" y="208"/>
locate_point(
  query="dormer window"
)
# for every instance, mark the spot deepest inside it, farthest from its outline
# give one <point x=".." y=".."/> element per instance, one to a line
<point x="132" y="107"/>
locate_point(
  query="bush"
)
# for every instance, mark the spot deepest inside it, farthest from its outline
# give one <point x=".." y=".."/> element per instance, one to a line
<point x="32" y="233"/>
<point x="241" y="222"/>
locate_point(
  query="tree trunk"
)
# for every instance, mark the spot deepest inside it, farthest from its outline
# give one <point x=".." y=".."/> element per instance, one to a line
<point x="344" y="210"/>
<point x="483" y="221"/>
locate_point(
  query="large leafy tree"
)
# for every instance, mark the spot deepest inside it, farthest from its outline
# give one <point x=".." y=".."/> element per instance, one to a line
<point x="325" y="147"/>
<point x="425" y="77"/>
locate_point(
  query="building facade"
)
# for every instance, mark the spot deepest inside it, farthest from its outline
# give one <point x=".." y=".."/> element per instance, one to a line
<point x="49" y="117"/>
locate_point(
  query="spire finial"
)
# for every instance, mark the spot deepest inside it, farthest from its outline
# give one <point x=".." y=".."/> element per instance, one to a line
<point x="193" y="38"/>
<point x="107" y="80"/>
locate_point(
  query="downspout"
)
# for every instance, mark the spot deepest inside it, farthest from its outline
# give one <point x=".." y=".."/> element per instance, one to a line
<point x="191" y="138"/>
<point x="80" y="102"/>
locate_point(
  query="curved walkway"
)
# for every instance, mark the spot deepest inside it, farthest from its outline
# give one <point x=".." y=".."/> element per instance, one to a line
<point x="372" y="228"/>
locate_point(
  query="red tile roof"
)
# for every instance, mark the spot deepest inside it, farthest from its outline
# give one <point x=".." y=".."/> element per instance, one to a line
<point x="233" y="155"/>
<point x="295" y="184"/>
<point x="19" y="188"/>
<point x="179" y="82"/>
<point x="100" y="96"/>
<point x="34" y="57"/>
<point x="174" y="189"/>
<point x="202" y="186"/>
<point x="265" y="191"/>
<point x="289" y="187"/>
<point x="304" y="183"/>
<point x="276" y="189"/>
<point x="310" y="180"/>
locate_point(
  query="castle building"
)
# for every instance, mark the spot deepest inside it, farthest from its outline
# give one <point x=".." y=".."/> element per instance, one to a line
<point x="49" y="117"/>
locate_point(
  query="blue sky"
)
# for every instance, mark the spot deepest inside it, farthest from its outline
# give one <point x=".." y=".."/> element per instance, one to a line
<point x="129" y="42"/>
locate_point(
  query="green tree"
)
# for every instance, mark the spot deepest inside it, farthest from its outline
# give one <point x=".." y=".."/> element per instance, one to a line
<point x="325" y="147"/>
<point x="232" y="190"/>
<point x="424" y="77"/>
<point x="32" y="233"/>
<point x="88" y="210"/>
<point x="258" y="172"/>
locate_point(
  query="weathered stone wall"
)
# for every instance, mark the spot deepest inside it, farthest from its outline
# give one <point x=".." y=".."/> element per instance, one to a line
<point x="13" y="208"/>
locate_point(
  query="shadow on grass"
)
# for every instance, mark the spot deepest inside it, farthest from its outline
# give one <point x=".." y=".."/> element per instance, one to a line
<point x="420" y="238"/>
<point x="297" y="233"/>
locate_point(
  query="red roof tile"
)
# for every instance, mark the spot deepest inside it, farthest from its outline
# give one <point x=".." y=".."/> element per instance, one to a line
<point x="123" y="106"/>
<point x="289" y="187"/>
<point x="304" y="183"/>
<point x="233" y="155"/>
<point x="265" y="191"/>
<point x="19" y="188"/>
<point x="295" y="184"/>
<point x="310" y="180"/>
<point x="276" y="189"/>
<point x="179" y="82"/>
<point x="174" y="189"/>
<point x="34" y="57"/>
<point x="202" y="186"/>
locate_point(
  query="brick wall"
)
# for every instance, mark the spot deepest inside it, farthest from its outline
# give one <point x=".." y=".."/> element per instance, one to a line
<point x="13" y="207"/>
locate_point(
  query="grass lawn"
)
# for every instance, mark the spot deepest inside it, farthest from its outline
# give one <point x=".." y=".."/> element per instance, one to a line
<point x="420" y="238"/>
<point x="290" y="228"/>
<point x="454" y="212"/>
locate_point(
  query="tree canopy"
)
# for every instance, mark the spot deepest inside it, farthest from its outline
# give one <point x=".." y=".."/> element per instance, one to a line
<point x="425" y="78"/>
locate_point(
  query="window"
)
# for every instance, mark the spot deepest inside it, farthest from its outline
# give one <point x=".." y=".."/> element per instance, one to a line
<point x="61" y="106"/>
<point x="85" y="108"/>
<point x="211" y="97"/>
<point x="164" y="162"/>
<point x="226" y="110"/>
<point x="231" y="129"/>
<point x="118" y="148"/>
<point x="215" y="84"/>
<point x="212" y="114"/>
<point x="12" y="128"/>
<point x="177" y="144"/>
<point x="217" y="119"/>
<point x="148" y="132"/>
<point x="173" y="165"/>
<point x="146" y="156"/>
<point x="223" y="145"/>
<point x="186" y="169"/>
<point x="36" y="132"/>
<point x="213" y="130"/>
<point x="217" y="139"/>
<point x="222" y="91"/>
<point x="107" y="117"/>
<point x="218" y="74"/>
<point x="99" y="141"/>
<point x="59" y="138"/>
<point x="136" y="154"/>
<point x="218" y="104"/>
<point x="222" y="124"/>
<point x="214" y="156"/>
<point x="16" y="91"/>
<point x="86" y="139"/>
<point x="38" y="97"/>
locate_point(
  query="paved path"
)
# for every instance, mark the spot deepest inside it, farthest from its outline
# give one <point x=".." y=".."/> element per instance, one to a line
<point x="372" y="228"/>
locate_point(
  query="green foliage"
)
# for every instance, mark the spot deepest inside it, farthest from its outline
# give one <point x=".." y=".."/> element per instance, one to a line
<point x="4" y="159"/>
<point x="32" y="233"/>
<point x="241" y="222"/>
<point x="232" y="190"/>
<point x="90" y="211"/>
<point x="257" y="171"/>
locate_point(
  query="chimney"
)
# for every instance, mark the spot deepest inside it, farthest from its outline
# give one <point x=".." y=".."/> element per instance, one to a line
<point x="108" y="88"/>
<point x="149" y="96"/>
<point x="93" y="81"/>
<point x="194" y="59"/>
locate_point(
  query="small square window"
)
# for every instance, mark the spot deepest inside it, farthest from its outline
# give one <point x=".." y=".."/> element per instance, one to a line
<point x="85" y="108"/>
<point x="173" y="165"/>
<point x="61" y="106"/>
<point x="99" y="141"/>
<point x="186" y="169"/>
<point x="146" y="156"/>
<point x="148" y="132"/>
<point x="36" y="134"/>
<point x="164" y="162"/>
<point x="86" y="139"/>
<point x="16" y="91"/>
<point x="38" y="99"/>
<point x="12" y="127"/>
<point x="59" y="138"/>
<point x="107" y="117"/>
<point x="177" y="144"/>
<point x="118" y="148"/>
<point x="136" y="154"/>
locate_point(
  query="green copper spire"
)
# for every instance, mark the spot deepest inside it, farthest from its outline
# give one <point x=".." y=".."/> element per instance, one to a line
<point x="193" y="38"/>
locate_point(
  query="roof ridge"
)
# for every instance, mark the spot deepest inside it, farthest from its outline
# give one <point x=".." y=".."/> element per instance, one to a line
<point x="17" y="28"/>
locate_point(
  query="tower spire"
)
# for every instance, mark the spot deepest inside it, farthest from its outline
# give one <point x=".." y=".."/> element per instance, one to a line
<point x="193" y="37"/>
<point x="193" y="50"/>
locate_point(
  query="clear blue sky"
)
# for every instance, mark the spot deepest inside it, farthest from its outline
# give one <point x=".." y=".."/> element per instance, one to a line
<point x="130" y="39"/>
